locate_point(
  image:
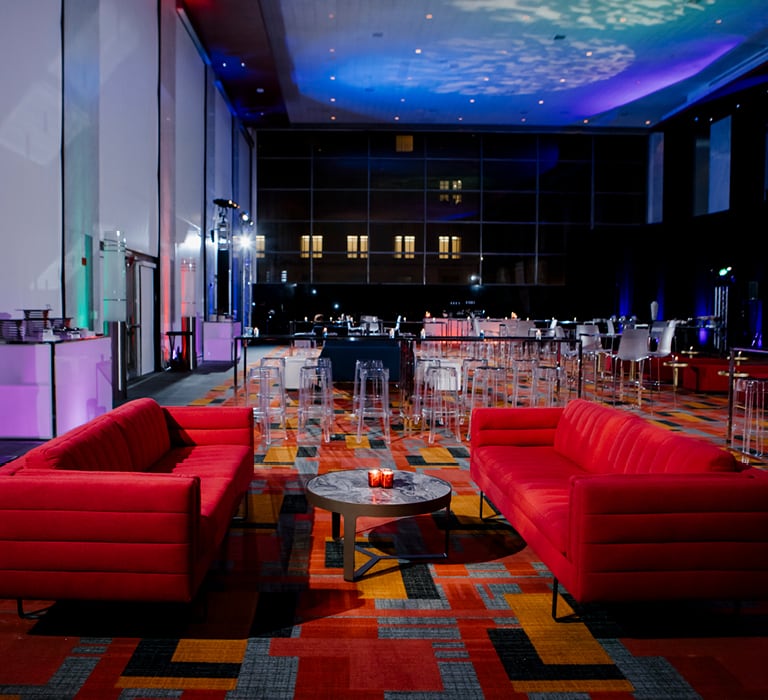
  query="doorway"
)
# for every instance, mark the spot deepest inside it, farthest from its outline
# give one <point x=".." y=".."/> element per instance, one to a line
<point x="142" y="347"/>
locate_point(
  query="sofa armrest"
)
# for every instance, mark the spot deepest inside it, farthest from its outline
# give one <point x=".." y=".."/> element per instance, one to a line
<point x="210" y="425"/>
<point x="62" y="530"/>
<point x="712" y="525"/>
<point x="514" y="426"/>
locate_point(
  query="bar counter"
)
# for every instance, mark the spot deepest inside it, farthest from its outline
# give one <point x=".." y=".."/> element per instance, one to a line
<point x="47" y="388"/>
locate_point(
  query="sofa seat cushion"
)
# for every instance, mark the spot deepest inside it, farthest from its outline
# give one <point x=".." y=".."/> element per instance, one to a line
<point x="225" y="471"/>
<point x="234" y="462"/>
<point x="145" y="431"/>
<point x="533" y="481"/>
<point x="98" y="445"/>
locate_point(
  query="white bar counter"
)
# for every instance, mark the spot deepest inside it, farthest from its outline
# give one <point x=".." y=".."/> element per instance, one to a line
<point x="47" y="388"/>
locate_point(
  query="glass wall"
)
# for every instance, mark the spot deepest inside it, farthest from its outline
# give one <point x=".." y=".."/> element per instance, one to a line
<point x="439" y="208"/>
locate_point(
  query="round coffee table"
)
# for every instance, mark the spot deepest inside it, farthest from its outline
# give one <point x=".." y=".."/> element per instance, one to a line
<point x="347" y="493"/>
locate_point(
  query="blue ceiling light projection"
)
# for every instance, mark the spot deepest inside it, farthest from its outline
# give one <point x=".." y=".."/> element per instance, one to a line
<point x="549" y="63"/>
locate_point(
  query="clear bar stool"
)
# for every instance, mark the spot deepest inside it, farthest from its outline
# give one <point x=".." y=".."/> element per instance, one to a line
<point x="442" y="403"/>
<point x="274" y="387"/>
<point x="490" y="387"/>
<point x="373" y="399"/>
<point x="356" y="387"/>
<point x="468" y="367"/>
<point x="316" y="397"/>
<point x="751" y="393"/>
<point x="260" y="377"/>
<point x="423" y="365"/>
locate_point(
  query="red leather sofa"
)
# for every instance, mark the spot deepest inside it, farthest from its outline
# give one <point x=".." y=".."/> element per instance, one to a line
<point x="621" y="509"/>
<point x="133" y="505"/>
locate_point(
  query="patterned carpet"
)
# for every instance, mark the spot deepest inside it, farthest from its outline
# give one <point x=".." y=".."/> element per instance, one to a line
<point x="277" y="620"/>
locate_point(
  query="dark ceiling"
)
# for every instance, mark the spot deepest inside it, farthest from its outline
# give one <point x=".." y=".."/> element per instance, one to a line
<point x="476" y="63"/>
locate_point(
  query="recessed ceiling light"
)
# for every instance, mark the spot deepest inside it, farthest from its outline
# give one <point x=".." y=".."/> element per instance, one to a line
<point x="588" y="53"/>
<point x="333" y="77"/>
<point x="333" y="117"/>
<point x="417" y="51"/>
<point x="260" y="90"/>
<point x="333" y="99"/>
<point x="242" y="64"/>
<point x="541" y="102"/>
<point x="397" y="119"/>
<point x="429" y="15"/>
<point x="471" y="100"/>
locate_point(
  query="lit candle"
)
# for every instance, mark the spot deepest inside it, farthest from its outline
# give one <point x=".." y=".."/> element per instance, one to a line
<point x="387" y="478"/>
<point x="374" y="477"/>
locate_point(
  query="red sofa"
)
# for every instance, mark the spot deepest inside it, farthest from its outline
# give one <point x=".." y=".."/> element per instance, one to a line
<point x="132" y="505"/>
<point x="621" y="509"/>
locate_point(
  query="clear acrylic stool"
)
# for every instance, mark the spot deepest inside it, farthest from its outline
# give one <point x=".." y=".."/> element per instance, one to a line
<point x="373" y="399"/>
<point x="260" y="377"/>
<point x="274" y="388"/>
<point x="490" y="387"/>
<point x="442" y="401"/>
<point x="360" y="365"/>
<point x="315" y="397"/>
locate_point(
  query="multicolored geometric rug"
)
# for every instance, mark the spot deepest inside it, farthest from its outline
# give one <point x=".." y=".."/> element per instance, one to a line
<point x="277" y="620"/>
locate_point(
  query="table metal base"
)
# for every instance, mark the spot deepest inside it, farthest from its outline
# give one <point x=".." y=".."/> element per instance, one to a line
<point x="350" y="547"/>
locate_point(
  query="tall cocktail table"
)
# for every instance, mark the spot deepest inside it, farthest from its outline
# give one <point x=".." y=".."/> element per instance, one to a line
<point x="346" y="493"/>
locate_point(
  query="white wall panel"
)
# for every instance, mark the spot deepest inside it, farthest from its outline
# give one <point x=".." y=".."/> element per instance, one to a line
<point x="128" y="122"/>
<point x="30" y="160"/>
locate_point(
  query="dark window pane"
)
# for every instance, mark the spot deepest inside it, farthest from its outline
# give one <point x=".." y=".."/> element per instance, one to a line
<point x="341" y="205"/>
<point x="510" y="146"/>
<point x="563" y="207"/>
<point x="509" y="206"/>
<point x="508" y="238"/>
<point x="620" y="209"/>
<point x="285" y="173"/>
<point x="394" y="173"/>
<point x="566" y="176"/>
<point x="397" y="205"/>
<point x="277" y="205"/>
<point x="509" y="175"/>
<point x="338" y="173"/>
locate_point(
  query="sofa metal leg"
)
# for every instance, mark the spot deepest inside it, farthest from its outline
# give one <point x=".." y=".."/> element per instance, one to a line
<point x="34" y="615"/>
<point x="496" y="513"/>
<point x="555" y="588"/>
<point x="573" y="617"/>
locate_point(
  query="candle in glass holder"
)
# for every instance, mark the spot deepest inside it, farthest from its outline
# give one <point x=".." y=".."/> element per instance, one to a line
<point x="387" y="478"/>
<point x="374" y="477"/>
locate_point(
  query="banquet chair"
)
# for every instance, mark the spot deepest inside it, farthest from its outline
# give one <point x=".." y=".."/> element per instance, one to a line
<point x="663" y="349"/>
<point x="633" y="349"/>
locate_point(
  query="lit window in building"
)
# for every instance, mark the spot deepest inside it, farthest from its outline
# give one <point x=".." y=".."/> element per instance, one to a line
<point x="312" y="245"/>
<point x="404" y="143"/>
<point x="450" y="191"/>
<point x="260" y="246"/>
<point x="449" y="247"/>
<point x="405" y="247"/>
<point x="357" y="246"/>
